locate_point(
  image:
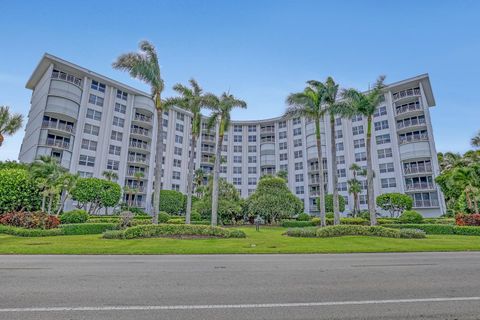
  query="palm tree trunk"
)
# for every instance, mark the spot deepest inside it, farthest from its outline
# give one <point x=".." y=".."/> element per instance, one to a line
<point x="191" y="168"/>
<point x="158" y="163"/>
<point x="356" y="204"/>
<point x="216" y="174"/>
<point x="321" y="180"/>
<point x="370" y="192"/>
<point x="50" y="200"/>
<point x="44" y="199"/>
<point x="333" y="148"/>
<point x="63" y="197"/>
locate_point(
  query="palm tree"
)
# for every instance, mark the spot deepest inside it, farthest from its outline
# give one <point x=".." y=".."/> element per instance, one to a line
<point x="309" y="104"/>
<point x="365" y="104"/>
<point x="110" y="175"/>
<point x="9" y="123"/>
<point x="355" y="187"/>
<point x="198" y="180"/>
<point x="48" y="173"/>
<point x="221" y="108"/>
<point x="193" y="100"/>
<point x="475" y="140"/>
<point x="66" y="182"/>
<point x="144" y="66"/>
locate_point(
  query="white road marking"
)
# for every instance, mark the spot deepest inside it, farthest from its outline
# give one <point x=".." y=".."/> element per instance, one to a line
<point x="238" y="306"/>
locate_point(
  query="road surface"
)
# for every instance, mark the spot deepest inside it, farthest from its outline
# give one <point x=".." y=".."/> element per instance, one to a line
<point x="343" y="286"/>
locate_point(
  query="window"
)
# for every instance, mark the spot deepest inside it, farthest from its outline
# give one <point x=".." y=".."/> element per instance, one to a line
<point x="252" y="181"/>
<point x="363" y="199"/>
<point x="342" y="186"/>
<point x="96" y="100"/>
<point x="282" y="146"/>
<point x="284" y="167"/>
<point x="339" y="146"/>
<point x="177" y="151"/>
<point x="380" y="111"/>
<point x="176" y="175"/>
<point x="252" y="159"/>
<point x="86" y="161"/>
<point x="361" y="156"/>
<point x="97" y="86"/>
<point x="384" y="153"/>
<point x="380" y="125"/>
<point x="237" y="170"/>
<point x="283" y="134"/>
<point x="178" y="139"/>
<point x="177" y="163"/>
<point x="225" y="137"/>
<point x="342" y="173"/>
<point x="297" y="142"/>
<point x="117" y="136"/>
<point x="120" y="108"/>
<point x="119" y="122"/>
<point x="252" y="170"/>
<point x="297" y="131"/>
<point x="388" y="183"/>
<point x="175" y="187"/>
<point x="340" y="159"/>
<point x="237" y="148"/>
<point x="299" y="177"/>
<point x="252" y="148"/>
<point x="359" y="143"/>
<point x="224" y="148"/>
<point x="237" y="138"/>
<point x="114" y="150"/>
<point x="386" y="167"/>
<point x="357" y="130"/>
<point x="298" y="165"/>
<point x="180" y="116"/>
<point x="237" y="128"/>
<point x="283" y="157"/>
<point x="282" y="124"/>
<point x="223" y="169"/>
<point x="338" y="121"/>
<point x="252" y="128"/>
<point x="237" y="181"/>
<point x="165" y="122"/>
<point x="179" y="127"/>
<point x="113" y="164"/>
<point x="296" y="121"/>
<point x="122" y="95"/>
<point x="381" y="139"/>
<point x="84" y="174"/>
<point x="338" y="134"/>
<point x="298" y="154"/>
<point x="67" y="77"/>
<point x="91" y="129"/>
<point x="300" y="190"/>
<point x="252" y="138"/>
<point x="89" y="145"/>
<point x="237" y="159"/>
<point x="356" y="118"/>
<point x="93" y="114"/>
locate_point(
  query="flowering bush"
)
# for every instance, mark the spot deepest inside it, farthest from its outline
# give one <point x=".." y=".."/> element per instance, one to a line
<point x="467" y="219"/>
<point x="30" y="220"/>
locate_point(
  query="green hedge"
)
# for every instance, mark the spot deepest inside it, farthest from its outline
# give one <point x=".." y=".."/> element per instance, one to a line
<point x="308" y="232"/>
<point x="22" y="232"/>
<point x="87" y="228"/>
<point x="297" y="224"/>
<point x="117" y="217"/>
<point x="428" y="228"/>
<point x="74" y="216"/>
<point x="172" y="230"/>
<point x="201" y="222"/>
<point x="354" y="230"/>
<point x="412" y="233"/>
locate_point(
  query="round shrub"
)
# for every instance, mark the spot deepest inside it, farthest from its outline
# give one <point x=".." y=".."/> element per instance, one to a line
<point x="412" y="233"/>
<point x="316" y="221"/>
<point x="172" y="202"/>
<point x="195" y="216"/>
<point x="18" y="191"/>
<point x="329" y="215"/>
<point x="163" y="217"/>
<point x="411" y="216"/>
<point x="74" y="216"/>
<point x="303" y="217"/>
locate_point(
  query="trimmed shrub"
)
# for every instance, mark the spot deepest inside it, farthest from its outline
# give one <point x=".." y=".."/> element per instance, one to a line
<point x="316" y="221"/>
<point x="22" y="232"/>
<point x="30" y="220"/>
<point x="201" y="222"/>
<point x="303" y="217"/>
<point x="296" y="224"/>
<point x="172" y="202"/>
<point x="309" y="232"/>
<point x="87" y="228"/>
<point x="95" y="193"/>
<point x="195" y="216"/>
<point x="411" y="216"/>
<point x="163" y="217"/>
<point x="412" y="233"/>
<point x="428" y="228"/>
<point x="18" y="191"/>
<point x="355" y="221"/>
<point x="439" y="220"/>
<point x="467" y="219"/>
<point x="467" y="230"/>
<point x="104" y="220"/>
<point x="353" y="230"/>
<point x="176" y="221"/>
<point x="382" y="221"/>
<point x="74" y="216"/>
<point x="329" y="215"/>
<point x="114" y="234"/>
<point x="172" y="230"/>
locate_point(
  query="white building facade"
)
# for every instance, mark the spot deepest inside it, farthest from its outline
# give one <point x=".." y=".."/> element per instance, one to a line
<point x="92" y="124"/>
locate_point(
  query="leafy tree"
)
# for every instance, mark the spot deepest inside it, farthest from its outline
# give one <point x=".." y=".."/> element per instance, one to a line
<point x="308" y="103"/>
<point x="221" y="108"/>
<point x="9" y="123"/>
<point x="173" y="202"/>
<point x="93" y="194"/>
<point x="192" y="99"/>
<point x="144" y="66"/>
<point x="18" y="191"/>
<point x="272" y="200"/>
<point x="13" y="165"/>
<point x="329" y="203"/>
<point x="395" y="203"/>
<point x="199" y="181"/>
<point x="365" y="104"/>
<point x="283" y="174"/>
<point x="476" y="140"/>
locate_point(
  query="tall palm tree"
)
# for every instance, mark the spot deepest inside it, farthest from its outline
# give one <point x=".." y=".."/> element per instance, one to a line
<point x="476" y="140"/>
<point x="365" y="104"/>
<point x="308" y="103"/>
<point x="66" y="182"/>
<point x="110" y="175"/>
<point x="144" y="66"/>
<point x="221" y="108"/>
<point x="198" y="180"/>
<point x="192" y="99"/>
<point x="355" y="187"/>
<point x="48" y="172"/>
<point x="9" y="123"/>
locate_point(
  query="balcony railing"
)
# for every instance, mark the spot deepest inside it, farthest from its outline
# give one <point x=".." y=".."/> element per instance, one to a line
<point x="406" y="93"/>
<point x="420" y="186"/>
<point x="209" y="150"/>
<point x="414" y="138"/>
<point x="132" y="172"/>
<point x="208" y="139"/>
<point x="58" y="143"/>
<point x="143" y="118"/>
<point x="419" y="169"/>
<point x="58" y="126"/>
<point x="267" y="130"/>
<point x="140" y="131"/>
<point x="408" y="108"/>
<point x="138" y="145"/>
<point x="137" y="159"/>
<point x="137" y="189"/>
<point x="425" y="203"/>
<point x="408" y="124"/>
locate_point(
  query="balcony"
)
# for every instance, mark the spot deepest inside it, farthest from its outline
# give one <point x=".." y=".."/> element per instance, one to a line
<point x="57" y="126"/>
<point x="408" y="108"/>
<point x="420" y="186"/>
<point x="136" y="159"/>
<point x="139" y="145"/>
<point x="266" y="130"/>
<point x="419" y="169"/>
<point x="208" y="149"/>
<point x="425" y="203"/>
<point x="137" y="189"/>
<point x="132" y="172"/>
<point x="412" y="92"/>
<point x="267" y="139"/>
<point x="58" y="144"/>
<point x="140" y="132"/>
<point x="413" y="138"/>
<point x="409" y="124"/>
<point x="142" y="118"/>
<point x="206" y="138"/>
<point x="138" y="203"/>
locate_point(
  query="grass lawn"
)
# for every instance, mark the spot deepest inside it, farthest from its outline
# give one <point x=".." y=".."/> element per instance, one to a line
<point x="268" y="240"/>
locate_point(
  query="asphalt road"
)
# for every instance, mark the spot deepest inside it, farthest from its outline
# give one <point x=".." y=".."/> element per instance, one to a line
<point x="346" y="286"/>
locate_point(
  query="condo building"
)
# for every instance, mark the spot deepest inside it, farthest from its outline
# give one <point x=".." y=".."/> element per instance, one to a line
<point x="92" y="124"/>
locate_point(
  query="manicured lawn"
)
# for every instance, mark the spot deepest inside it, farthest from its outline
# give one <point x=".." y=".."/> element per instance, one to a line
<point x="268" y="240"/>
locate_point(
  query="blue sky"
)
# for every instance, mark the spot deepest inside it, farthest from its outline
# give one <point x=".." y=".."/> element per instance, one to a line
<point x="259" y="50"/>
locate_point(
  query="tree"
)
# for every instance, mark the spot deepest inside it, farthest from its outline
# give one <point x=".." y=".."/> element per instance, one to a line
<point x="173" y="202"/>
<point x="476" y="140"/>
<point x="329" y="203"/>
<point x="355" y="187"/>
<point x="66" y="183"/>
<point x="221" y="108"/>
<point x="110" y="175"/>
<point x="9" y="123"/>
<point x="93" y="194"/>
<point x="198" y="182"/>
<point x="365" y="104"/>
<point x="18" y="191"/>
<point x="272" y="200"/>
<point x="144" y="66"/>
<point x="283" y="174"/>
<point x="193" y="100"/>
<point x="308" y="103"/>
<point x="395" y="203"/>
